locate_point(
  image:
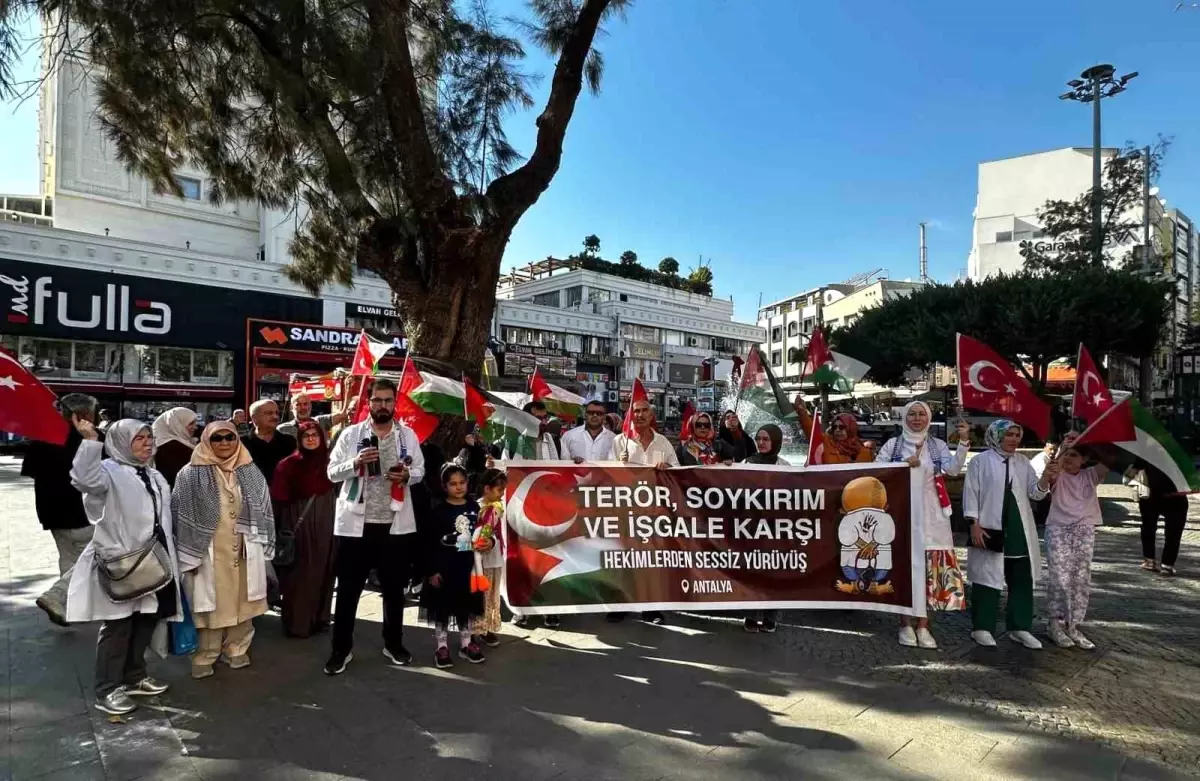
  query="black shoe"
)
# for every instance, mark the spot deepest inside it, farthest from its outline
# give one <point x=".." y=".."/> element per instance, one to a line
<point x="521" y="621"/>
<point x="553" y="622"/>
<point x="442" y="660"/>
<point x="750" y="625"/>
<point x="491" y="639"/>
<point x="615" y="618"/>
<point x="400" y="657"/>
<point x="337" y="663"/>
<point x="472" y="653"/>
<point x="768" y="625"/>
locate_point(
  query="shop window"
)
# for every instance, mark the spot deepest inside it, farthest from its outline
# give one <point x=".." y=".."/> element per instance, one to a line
<point x="91" y="359"/>
<point x="174" y="365"/>
<point x="573" y="343"/>
<point x="206" y="366"/>
<point x="47" y="357"/>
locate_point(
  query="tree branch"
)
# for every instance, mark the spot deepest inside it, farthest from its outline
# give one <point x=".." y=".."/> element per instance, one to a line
<point x="513" y="194"/>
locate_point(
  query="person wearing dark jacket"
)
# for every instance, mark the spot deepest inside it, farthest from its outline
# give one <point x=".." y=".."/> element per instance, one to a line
<point x="1158" y="498"/>
<point x="703" y="448"/>
<point x="733" y="435"/>
<point x="58" y="505"/>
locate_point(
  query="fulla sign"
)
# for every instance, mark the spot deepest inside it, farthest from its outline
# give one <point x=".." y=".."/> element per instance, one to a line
<point x="35" y="301"/>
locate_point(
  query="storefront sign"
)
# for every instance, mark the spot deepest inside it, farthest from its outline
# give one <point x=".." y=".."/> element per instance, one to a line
<point x="322" y="338"/>
<point x="59" y="303"/>
<point x="736" y="538"/>
<point x="512" y="348"/>
<point x="644" y="350"/>
<point x="370" y="310"/>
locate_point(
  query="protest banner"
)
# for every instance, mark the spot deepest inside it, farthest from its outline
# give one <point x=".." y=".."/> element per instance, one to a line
<point x="606" y="537"/>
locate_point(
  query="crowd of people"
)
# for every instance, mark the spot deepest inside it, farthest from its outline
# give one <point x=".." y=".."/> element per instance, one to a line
<point x="217" y="526"/>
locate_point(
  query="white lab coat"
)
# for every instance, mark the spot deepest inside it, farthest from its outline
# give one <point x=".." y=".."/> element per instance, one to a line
<point x="935" y="526"/>
<point x="122" y="513"/>
<point x="983" y="500"/>
<point x="350" y="517"/>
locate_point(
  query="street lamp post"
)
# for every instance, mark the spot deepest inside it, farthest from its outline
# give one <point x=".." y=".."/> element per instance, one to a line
<point x="1093" y="85"/>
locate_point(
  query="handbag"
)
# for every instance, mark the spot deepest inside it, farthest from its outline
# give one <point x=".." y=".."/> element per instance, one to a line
<point x="135" y="574"/>
<point x="285" y="539"/>
<point x="994" y="541"/>
<point x="184" y="638"/>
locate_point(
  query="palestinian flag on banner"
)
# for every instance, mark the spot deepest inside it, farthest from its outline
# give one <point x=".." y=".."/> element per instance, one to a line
<point x="760" y="388"/>
<point x="439" y="395"/>
<point x="1132" y="427"/>
<point x="560" y="403"/>
<point x="368" y="355"/>
<point x="825" y="367"/>
<point x="516" y="432"/>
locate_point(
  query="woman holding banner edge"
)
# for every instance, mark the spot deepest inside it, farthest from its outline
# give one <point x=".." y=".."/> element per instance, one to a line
<point x="945" y="588"/>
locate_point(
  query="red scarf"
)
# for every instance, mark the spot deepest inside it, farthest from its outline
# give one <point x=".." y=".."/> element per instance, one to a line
<point x="303" y="474"/>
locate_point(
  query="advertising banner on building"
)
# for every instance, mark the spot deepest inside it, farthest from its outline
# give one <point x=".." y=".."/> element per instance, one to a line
<point x="605" y="537"/>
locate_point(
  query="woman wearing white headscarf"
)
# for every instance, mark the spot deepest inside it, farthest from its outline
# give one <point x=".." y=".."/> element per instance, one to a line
<point x="1004" y="543"/>
<point x="944" y="585"/>
<point x="129" y="504"/>
<point x="225" y="531"/>
<point x="174" y="438"/>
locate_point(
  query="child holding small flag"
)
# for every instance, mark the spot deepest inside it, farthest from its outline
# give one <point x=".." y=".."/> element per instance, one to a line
<point x="492" y="484"/>
<point x="454" y="594"/>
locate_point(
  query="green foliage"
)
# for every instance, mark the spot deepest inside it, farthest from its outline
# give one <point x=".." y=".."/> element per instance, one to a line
<point x="1042" y="317"/>
<point x="591" y="246"/>
<point x="700" y="281"/>
<point x="629" y="258"/>
<point x="668" y="265"/>
<point x="1068" y="224"/>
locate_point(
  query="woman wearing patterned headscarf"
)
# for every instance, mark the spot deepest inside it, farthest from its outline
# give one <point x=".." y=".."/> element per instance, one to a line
<point x="1004" y="544"/>
<point x="841" y="443"/>
<point x="944" y="585"/>
<point x="225" y="532"/>
<point x="702" y="448"/>
<point x="128" y="502"/>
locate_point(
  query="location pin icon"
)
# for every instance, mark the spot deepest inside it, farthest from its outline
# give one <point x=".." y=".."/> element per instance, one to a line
<point x="685" y="585"/>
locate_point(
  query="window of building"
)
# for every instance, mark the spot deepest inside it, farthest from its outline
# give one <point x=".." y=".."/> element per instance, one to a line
<point x="673" y="338"/>
<point x="599" y="296"/>
<point x="1004" y="236"/>
<point x="46" y="358"/>
<point x="174" y="365"/>
<point x="91" y="359"/>
<point x="624" y="297"/>
<point x="794" y="355"/>
<point x="809" y="324"/>
<point x="776" y="334"/>
<point x="776" y="358"/>
<point x="387" y="325"/>
<point x="547" y="299"/>
<point x="645" y="333"/>
<point x="573" y="343"/>
<point x="574" y="296"/>
<point x="793" y="328"/>
<point x="191" y="187"/>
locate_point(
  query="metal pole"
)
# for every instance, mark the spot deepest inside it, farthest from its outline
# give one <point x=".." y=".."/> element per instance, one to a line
<point x="1146" y="209"/>
<point x="1097" y="186"/>
<point x="924" y="276"/>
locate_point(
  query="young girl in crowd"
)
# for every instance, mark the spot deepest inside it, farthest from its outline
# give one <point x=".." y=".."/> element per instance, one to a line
<point x="448" y="601"/>
<point x="1070" y="534"/>
<point x="492" y="484"/>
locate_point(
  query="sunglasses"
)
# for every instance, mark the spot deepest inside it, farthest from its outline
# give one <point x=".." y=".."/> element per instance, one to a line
<point x="702" y="425"/>
<point x="223" y="438"/>
<point x="837" y="426"/>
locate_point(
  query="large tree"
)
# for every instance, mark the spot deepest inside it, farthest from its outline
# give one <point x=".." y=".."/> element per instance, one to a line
<point x="381" y="120"/>
<point x="1029" y="316"/>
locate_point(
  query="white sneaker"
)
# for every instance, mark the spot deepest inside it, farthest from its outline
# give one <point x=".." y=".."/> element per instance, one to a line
<point x="1026" y="639"/>
<point x="1058" y="634"/>
<point x="908" y="637"/>
<point x="1079" y="639"/>
<point x="983" y="638"/>
<point x="925" y="639"/>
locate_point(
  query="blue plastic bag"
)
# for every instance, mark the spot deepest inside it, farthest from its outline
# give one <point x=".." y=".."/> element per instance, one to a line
<point x="183" y="633"/>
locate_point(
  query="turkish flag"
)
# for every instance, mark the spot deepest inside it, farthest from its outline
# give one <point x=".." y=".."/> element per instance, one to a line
<point x="1092" y="396"/>
<point x="988" y="383"/>
<point x="816" y="441"/>
<point x="637" y="394"/>
<point x="1113" y="425"/>
<point x="27" y="407"/>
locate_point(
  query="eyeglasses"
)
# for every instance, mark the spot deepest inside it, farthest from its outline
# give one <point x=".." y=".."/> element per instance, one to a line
<point x="311" y="435"/>
<point x="837" y="426"/>
<point x="222" y="438"/>
<point x="702" y="425"/>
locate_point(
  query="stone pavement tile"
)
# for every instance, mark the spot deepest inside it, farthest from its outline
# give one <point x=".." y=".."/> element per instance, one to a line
<point x="144" y="745"/>
<point x="1141" y="770"/>
<point x="90" y="771"/>
<point x="920" y="736"/>
<point x="1060" y="758"/>
<point x="824" y="710"/>
<point x="265" y="770"/>
<point x="52" y="746"/>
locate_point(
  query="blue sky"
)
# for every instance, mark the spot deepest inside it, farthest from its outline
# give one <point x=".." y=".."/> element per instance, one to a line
<point x="796" y="143"/>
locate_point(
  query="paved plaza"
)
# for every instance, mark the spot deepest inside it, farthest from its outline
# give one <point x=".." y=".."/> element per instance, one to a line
<point x="830" y="696"/>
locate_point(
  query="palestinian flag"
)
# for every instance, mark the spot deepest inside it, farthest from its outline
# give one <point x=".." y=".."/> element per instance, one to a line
<point x="516" y="432"/>
<point x="408" y="411"/>
<point x="825" y="367"/>
<point x="760" y="388"/>
<point x="439" y="395"/>
<point x="560" y="403"/>
<point x="368" y="355"/>
<point x="1132" y="427"/>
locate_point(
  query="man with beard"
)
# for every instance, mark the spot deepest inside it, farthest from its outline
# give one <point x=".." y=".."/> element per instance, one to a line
<point x="377" y="462"/>
<point x="267" y="445"/>
<point x="302" y="411"/>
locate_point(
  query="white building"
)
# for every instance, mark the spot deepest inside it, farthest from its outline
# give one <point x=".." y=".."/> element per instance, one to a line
<point x="614" y="329"/>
